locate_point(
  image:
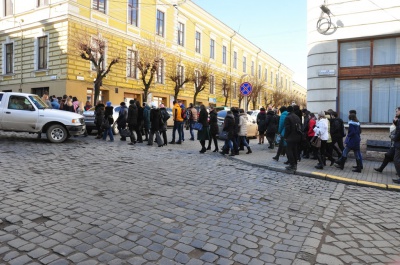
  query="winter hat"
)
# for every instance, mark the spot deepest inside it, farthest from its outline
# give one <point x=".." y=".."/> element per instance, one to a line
<point x="153" y="105"/>
<point x="108" y="103"/>
<point x="132" y="101"/>
<point x="289" y="109"/>
<point x="162" y="105"/>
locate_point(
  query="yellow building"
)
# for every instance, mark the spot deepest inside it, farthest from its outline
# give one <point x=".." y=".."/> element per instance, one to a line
<point x="40" y="55"/>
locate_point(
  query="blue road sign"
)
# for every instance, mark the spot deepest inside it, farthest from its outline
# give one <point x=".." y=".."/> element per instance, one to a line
<point x="246" y="88"/>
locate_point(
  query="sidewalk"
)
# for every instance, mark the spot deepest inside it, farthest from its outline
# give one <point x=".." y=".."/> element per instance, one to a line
<point x="262" y="156"/>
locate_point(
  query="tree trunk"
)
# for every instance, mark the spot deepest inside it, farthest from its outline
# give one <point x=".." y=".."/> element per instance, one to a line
<point x="226" y="100"/>
<point x="194" y="97"/>
<point x="96" y="91"/>
<point x="176" y="93"/>
<point x="145" y="92"/>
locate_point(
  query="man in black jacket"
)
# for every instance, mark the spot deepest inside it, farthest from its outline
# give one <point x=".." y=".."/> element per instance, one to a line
<point x="293" y="132"/>
<point x="396" y="140"/>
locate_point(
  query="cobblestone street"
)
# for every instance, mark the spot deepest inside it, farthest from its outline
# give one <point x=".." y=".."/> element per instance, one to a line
<point x="92" y="202"/>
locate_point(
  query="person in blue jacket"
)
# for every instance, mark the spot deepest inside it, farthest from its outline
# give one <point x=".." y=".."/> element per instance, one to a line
<point x="281" y="131"/>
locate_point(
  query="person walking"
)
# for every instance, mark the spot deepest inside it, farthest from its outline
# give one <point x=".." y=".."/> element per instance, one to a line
<point x="163" y="127"/>
<point x="178" y="121"/>
<point x="262" y="125"/>
<point x="281" y="131"/>
<point x="396" y="140"/>
<point x="108" y="115"/>
<point x="322" y="130"/>
<point x="146" y="121"/>
<point x="132" y="121"/>
<point x="292" y="137"/>
<point x="204" y="133"/>
<point x="272" y="127"/>
<point x="352" y="142"/>
<point x="192" y="118"/>
<point x="214" y="130"/>
<point x="155" y="121"/>
<point x="122" y="118"/>
<point x="229" y="128"/>
<point x="243" y="130"/>
<point x="98" y="120"/>
<point x="389" y="155"/>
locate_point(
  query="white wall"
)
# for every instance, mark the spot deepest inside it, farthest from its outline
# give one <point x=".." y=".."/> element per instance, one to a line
<point x="351" y="19"/>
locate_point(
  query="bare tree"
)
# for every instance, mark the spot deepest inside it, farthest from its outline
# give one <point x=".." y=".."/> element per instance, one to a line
<point x="93" y="49"/>
<point x="150" y="57"/>
<point x="226" y="90"/>
<point x="177" y="74"/>
<point x="200" y="77"/>
<point x="258" y="86"/>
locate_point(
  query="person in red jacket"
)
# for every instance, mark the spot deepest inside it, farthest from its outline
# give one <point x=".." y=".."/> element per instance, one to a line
<point x="311" y="133"/>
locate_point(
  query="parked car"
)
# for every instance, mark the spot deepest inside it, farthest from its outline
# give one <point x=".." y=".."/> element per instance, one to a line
<point x="22" y="112"/>
<point x="89" y="120"/>
<point x="252" y="131"/>
<point x="170" y="121"/>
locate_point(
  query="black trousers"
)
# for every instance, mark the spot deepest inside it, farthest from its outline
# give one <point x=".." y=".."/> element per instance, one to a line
<point x="292" y="152"/>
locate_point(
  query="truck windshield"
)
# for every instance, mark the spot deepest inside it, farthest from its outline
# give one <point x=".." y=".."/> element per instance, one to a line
<point x="38" y="102"/>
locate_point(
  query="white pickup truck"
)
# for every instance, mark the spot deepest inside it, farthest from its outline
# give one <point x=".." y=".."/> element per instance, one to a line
<point x="21" y="112"/>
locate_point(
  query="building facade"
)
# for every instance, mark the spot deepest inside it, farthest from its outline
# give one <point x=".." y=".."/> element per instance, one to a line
<point x="39" y="51"/>
<point x="354" y="59"/>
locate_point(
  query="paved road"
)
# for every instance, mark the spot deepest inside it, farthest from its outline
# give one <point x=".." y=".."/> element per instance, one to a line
<point x="93" y="202"/>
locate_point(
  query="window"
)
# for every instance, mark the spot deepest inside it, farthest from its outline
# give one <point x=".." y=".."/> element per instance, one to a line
<point x="266" y="75"/>
<point x="99" y="5"/>
<point x="42" y="52"/>
<point x="272" y="77"/>
<point x="387" y="51"/>
<point x="8" y="7"/>
<point x="9" y="58"/>
<point x="133" y="12"/>
<point x="224" y="54"/>
<point x="160" y="23"/>
<point x="244" y="64"/>
<point x="385" y="98"/>
<point x="234" y="90"/>
<point x="160" y="72"/>
<point x="225" y="87"/>
<point x="212" y="49"/>
<point x="19" y="103"/>
<point x="181" y="34"/>
<point x="212" y="85"/>
<point x="259" y="71"/>
<point x="42" y="3"/>
<point x="131" y="64"/>
<point x="198" y="42"/>
<point x="355" y="93"/>
<point x="355" y="53"/>
<point x="252" y="68"/>
<point x="235" y="60"/>
<point x="181" y="73"/>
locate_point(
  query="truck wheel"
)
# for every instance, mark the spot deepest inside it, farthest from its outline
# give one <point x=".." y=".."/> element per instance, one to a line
<point x="115" y="129"/>
<point x="56" y="133"/>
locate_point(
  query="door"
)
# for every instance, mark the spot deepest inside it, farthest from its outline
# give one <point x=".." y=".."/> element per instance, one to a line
<point x="19" y="115"/>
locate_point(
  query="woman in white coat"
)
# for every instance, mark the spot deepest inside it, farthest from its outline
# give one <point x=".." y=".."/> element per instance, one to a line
<point x="321" y="130"/>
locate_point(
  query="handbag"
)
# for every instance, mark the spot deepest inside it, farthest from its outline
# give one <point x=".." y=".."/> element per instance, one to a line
<point x="198" y="126"/>
<point x="105" y="124"/>
<point x="125" y="133"/>
<point x="277" y="138"/>
<point x="316" y="141"/>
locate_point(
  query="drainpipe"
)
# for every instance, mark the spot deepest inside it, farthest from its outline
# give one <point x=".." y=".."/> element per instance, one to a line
<point x="22" y="53"/>
<point x="230" y="68"/>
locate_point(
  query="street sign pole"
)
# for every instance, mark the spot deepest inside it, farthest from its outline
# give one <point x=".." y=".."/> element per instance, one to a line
<point x="245" y="89"/>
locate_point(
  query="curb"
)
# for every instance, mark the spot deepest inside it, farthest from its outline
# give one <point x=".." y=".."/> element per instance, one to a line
<point x="327" y="177"/>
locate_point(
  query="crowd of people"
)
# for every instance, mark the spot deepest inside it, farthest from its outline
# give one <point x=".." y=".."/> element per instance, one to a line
<point x="67" y="103"/>
<point x="298" y="134"/>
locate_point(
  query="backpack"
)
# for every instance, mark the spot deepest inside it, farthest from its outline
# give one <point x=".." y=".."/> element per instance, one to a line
<point x="299" y="129"/>
<point x="105" y="124"/>
<point x="165" y="116"/>
<point x="184" y="114"/>
<point x="189" y="114"/>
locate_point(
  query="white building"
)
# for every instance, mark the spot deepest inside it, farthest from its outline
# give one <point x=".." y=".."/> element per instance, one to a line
<point x="354" y="58"/>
